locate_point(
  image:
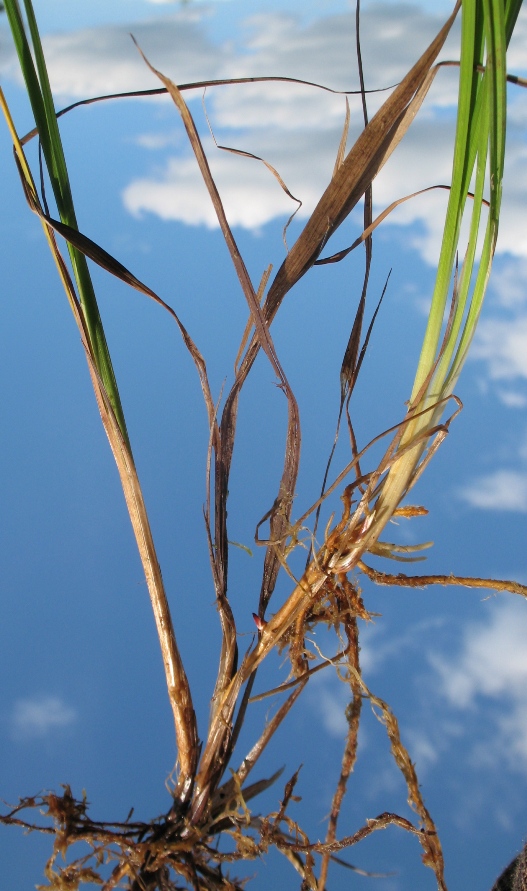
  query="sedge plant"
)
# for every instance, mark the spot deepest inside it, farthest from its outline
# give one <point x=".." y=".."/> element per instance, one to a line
<point x="211" y="796"/>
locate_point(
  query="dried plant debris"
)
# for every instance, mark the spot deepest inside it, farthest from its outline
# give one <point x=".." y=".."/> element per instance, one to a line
<point x="168" y="851"/>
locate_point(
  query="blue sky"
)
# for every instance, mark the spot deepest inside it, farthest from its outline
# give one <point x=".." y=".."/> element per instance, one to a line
<point x="83" y="698"/>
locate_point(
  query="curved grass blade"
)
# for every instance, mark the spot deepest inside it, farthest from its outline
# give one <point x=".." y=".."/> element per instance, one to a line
<point x="39" y="93"/>
<point x="177" y="682"/>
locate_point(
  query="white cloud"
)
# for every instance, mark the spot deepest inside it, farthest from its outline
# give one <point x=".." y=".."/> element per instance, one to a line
<point x="328" y="697"/>
<point x="250" y="193"/>
<point x="424" y="752"/>
<point x="95" y="61"/>
<point x="509" y="279"/>
<point x="501" y="490"/>
<point x="516" y="58"/>
<point x="513" y="729"/>
<point x="474" y="702"/>
<point x="512" y="398"/>
<point x="492" y="665"/>
<point x="504" y="489"/>
<point x="512" y="234"/>
<point x="252" y="196"/>
<point x="502" y="344"/>
<point x="40" y="717"/>
<point x="155" y="141"/>
<point x="324" y="49"/>
<point x="501" y="341"/>
<point x="296" y="128"/>
<point x="493" y="658"/>
<point x="379" y="647"/>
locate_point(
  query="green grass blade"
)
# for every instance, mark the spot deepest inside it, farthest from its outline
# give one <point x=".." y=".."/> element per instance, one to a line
<point x="41" y="99"/>
<point x="496" y="74"/>
<point x="479" y="151"/>
<point x="471" y="55"/>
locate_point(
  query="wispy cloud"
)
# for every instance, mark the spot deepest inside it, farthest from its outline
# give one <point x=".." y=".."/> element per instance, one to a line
<point x="500" y="490"/>
<point x="40" y="717"/>
<point x="328" y="697"/>
<point x="491" y="668"/>
<point x="508" y="282"/>
<point x="492" y="660"/>
<point x="297" y="129"/>
<point x="94" y="61"/>
<point x="512" y="398"/>
<point x="379" y="647"/>
<point x="469" y="699"/>
<point x="251" y="197"/>
<point x="502" y="345"/>
<point x="504" y="488"/>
